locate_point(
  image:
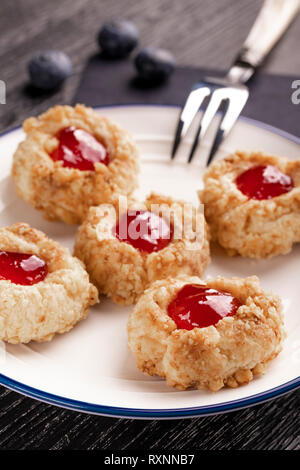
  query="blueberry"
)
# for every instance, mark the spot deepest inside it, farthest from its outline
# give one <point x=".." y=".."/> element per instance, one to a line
<point x="154" y="65"/>
<point x="118" y="38"/>
<point x="48" y="69"/>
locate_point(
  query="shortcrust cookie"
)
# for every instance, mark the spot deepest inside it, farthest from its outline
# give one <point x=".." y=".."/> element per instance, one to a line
<point x="71" y="159"/>
<point x="252" y="204"/>
<point x="122" y="269"/>
<point x="224" y="350"/>
<point x="43" y="289"/>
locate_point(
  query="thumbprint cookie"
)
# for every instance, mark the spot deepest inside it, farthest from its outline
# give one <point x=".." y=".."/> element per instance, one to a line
<point x="124" y="249"/>
<point x="205" y="334"/>
<point x="73" y="158"/>
<point x="252" y="204"/>
<point x="43" y="289"/>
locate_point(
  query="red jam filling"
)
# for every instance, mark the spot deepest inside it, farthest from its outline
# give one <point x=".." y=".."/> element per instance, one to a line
<point x="79" y="149"/>
<point x="21" y="268"/>
<point x="264" y="182"/>
<point x="144" y="230"/>
<point x="196" y="306"/>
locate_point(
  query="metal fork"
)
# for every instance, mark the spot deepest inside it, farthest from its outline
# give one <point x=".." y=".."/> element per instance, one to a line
<point x="230" y="92"/>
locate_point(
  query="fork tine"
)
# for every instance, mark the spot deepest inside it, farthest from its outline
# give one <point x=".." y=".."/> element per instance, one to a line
<point x="205" y="121"/>
<point x="230" y="116"/>
<point x="189" y="111"/>
<point x="195" y="144"/>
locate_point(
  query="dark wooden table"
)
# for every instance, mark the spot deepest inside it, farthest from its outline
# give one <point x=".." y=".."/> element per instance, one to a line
<point x="207" y="33"/>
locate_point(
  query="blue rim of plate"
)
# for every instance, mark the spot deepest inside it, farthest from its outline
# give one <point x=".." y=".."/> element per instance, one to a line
<point x="120" y="412"/>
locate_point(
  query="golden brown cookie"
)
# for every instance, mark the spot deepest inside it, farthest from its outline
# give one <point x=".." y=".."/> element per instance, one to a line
<point x="66" y="192"/>
<point x="258" y="228"/>
<point x="50" y="291"/>
<point x="228" y="352"/>
<point x="122" y="271"/>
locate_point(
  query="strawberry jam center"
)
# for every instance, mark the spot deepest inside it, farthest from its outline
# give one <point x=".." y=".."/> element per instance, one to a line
<point x="144" y="230"/>
<point x="21" y="268"/>
<point x="196" y="306"/>
<point x="264" y="182"/>
<point x="79" y="149"/>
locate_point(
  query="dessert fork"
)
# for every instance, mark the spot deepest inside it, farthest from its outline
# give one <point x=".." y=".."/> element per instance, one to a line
<point x="231" y="91"/>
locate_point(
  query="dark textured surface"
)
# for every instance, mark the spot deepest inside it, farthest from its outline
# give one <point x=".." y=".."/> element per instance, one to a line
<point x="203" y="32"/>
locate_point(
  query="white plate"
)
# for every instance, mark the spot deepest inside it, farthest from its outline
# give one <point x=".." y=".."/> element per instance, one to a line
<point x="90" y="368"/>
